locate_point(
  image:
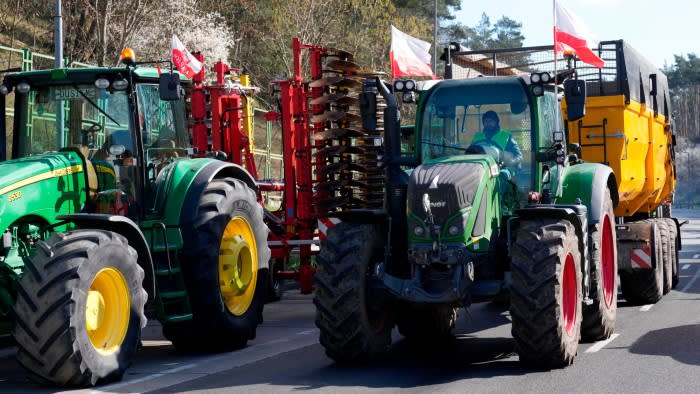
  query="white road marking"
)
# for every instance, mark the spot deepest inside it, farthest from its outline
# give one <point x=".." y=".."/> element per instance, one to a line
<point x="685" y="267"/>
<point x="212" y="365"/>
<point x="601" y="344"/>
<point x="646" y="307"/>
<point x="686" y="287"/>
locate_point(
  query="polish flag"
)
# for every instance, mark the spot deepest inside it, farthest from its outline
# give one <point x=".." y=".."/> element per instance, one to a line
<point x="570" y="34"/>
<point x="410" y="57"/>
<point x="183" y="59"/>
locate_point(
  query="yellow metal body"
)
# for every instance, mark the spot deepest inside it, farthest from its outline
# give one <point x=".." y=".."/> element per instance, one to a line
<point x="636" y="146"/>
<point x="248" y="112"/>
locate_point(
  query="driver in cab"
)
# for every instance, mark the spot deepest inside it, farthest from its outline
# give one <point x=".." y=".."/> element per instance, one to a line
<point x="502" y="139"/>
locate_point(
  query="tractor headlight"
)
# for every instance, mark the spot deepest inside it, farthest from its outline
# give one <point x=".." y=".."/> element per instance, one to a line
<point x="419" y="231"/>
<point x="410" y="84"/>
<point x="535" y="78"/>
<point x="4" y="89"/>
<point x="408" y="97"/>
<point x="23" y="88"/>
<point x="102" y="83"/>
<point x="399" y="86"/>
<point x="537" y="90"/>
<point x="545" y="77"/>
<point x="453" y="230"/>
<point x="120" y="83"/>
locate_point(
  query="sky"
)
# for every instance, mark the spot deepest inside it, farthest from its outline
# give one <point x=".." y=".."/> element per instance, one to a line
<point x="658" y="29"/>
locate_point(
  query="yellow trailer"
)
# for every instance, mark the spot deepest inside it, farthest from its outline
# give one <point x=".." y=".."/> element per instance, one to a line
<point x="627" y="127"/>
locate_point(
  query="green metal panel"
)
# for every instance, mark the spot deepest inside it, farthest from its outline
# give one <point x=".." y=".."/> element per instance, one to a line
<point x="172" y="187"/>
<point x="490" y="184"/>
<point x="44" y="186"/>
<point x="577" y="183"/>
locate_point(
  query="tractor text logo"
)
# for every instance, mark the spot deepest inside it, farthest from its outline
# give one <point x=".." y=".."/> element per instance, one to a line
<point x="14" y="196"/>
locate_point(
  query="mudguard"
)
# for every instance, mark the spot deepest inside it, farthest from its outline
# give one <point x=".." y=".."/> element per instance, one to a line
<point x="180" y="186"/>
<point x="587" y="182"/>
<point x="130" y="230"/>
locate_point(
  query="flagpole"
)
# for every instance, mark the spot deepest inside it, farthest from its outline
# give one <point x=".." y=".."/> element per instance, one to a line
<point x="556" y="79"/>
<point x="554" y="40"/>
<point x="435" y="28"/>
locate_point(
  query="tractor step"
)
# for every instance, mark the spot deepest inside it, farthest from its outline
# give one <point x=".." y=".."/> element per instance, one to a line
<point x="172" y="295"/>
<point x="167" y="272"/>
<point x="177" y="318"/>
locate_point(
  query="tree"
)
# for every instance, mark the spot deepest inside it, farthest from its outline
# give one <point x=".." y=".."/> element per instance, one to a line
<point x="426" y="9"/>
<point x="508" y="34"/>
<point x="684" y="87"/>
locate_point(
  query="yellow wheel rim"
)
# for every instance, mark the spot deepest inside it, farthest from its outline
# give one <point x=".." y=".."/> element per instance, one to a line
<point x="238" y="265"/>
<point x="107" y="310"/>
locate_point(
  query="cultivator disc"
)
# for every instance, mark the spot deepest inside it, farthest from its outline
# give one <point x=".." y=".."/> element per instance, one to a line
<point x="345" y="149"/>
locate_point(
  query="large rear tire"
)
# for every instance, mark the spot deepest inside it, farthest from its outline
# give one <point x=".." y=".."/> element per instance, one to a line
<point x="546" y="292"/>
<point x="225" y="260"/>
<point x="645" y="286"/>
<point x="673" y="240"/>
<point x="599" y="317"/>
<point x="426" y="322"/>
<point x="666" y="254"/>
<point x="355" y="320"/>
<point x="80" y="309"/>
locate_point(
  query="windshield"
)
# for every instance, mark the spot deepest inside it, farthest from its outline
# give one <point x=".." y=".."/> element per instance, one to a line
<point x="89" y="116"/>
<point x="458" y="115"/>
<point x="103" y="125"/>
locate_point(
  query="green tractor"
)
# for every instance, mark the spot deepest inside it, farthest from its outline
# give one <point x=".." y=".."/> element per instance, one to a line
<point x="465" y="221"/>
<point x="107" y="215"/>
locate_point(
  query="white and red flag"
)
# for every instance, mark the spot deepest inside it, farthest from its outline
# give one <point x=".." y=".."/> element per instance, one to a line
<point x="570" y="34"/>
<point x="410" y="56"/>
<point x="183" y="59"/>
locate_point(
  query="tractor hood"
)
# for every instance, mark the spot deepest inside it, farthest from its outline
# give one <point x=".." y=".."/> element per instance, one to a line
<point x="19" y="173"/>
<point x="450" y="184"/>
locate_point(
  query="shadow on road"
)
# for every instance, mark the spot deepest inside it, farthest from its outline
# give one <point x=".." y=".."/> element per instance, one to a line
<point x="682" y="343"/>
<point x="471" y="354"/>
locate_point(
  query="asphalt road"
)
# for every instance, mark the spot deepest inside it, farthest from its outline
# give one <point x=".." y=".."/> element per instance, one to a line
<point x="656" y="348"/>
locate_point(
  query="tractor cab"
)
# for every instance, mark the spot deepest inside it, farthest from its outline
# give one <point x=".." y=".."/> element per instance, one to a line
<point x="117" y="120"/>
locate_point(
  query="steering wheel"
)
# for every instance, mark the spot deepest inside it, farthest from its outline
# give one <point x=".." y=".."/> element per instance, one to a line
<point x="93" y="127"/>
<point x="485" y="147"/>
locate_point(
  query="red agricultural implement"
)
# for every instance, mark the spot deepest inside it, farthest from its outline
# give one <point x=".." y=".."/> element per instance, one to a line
<point x="329" y="163"/>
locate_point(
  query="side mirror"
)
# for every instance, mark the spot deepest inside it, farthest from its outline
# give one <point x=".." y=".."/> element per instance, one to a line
<point x="368" y="109"/>
<point x="169" y="86"/>
<point x="575" y="94"/>
<point x="546" y="175"/>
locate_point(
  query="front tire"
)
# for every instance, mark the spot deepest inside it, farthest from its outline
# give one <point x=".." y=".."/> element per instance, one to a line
<point x="546" y="292"/>
<point x="225" y="261"/>
<point x="80" y="309"/>
<point x="599" y="317"/>
<point x="355" y="320"/>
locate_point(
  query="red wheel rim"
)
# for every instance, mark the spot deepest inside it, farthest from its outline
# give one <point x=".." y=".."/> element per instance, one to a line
<point x="607" y="257"/>
<point x="569" y="294"/>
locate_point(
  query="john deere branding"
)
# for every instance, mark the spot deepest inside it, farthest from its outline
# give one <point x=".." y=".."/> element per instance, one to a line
<point x="40" y="177"/>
